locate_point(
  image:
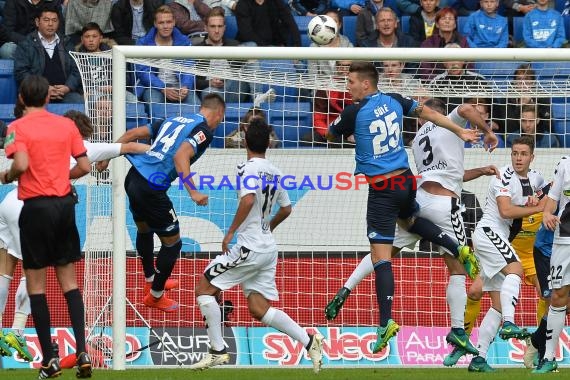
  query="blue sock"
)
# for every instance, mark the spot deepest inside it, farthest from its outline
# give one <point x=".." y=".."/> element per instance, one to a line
<point x="433" y="233"/>
<point x="384" y="290"/>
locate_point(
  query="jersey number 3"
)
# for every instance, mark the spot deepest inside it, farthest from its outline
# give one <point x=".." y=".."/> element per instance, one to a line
<point x="387" y="134"/>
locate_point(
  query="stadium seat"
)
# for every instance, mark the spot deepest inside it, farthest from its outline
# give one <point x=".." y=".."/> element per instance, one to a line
<point x="233" y="114"/>
<point x="162" y="110"/>
<point x="231" y="27"/>
<point x="290" y="120"/>
<point x="62" y="108"/>
<point x="405" y="25"/>
<point x="302" y="24"/>
<point x="461" y="21"/>
<point x="136" y="115"/>
<point x="518" y="30"/>
<point x="7" y="112"/>
<point x="283" y="70"/>
<point x="497" y="69"/>
<point x="552" y="70"/>
<point x="561" y="122"/>
<point x="349" y="28"/>
<point x="8" y="86"/>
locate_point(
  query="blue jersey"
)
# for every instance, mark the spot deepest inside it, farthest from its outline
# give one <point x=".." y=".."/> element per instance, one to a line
<point x="376" y="123"/>
<point x="166" y="138"/>
<point x="543" y="241"/>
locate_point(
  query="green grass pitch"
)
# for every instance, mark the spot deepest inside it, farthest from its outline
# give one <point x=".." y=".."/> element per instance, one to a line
<point x="304" y="373"/>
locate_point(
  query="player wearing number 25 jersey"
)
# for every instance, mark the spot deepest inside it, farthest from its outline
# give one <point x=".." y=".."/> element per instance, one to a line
<point x="251" y="263"/>
<point x="176" y="144"/>
<point x="376" y="120"/>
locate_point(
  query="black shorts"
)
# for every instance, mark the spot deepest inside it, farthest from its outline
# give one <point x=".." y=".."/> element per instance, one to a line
<point x="542" y="266"/>
<point x="150" y="205"/>
<point x="48" y="232"/>
<point x="388" y="201"/>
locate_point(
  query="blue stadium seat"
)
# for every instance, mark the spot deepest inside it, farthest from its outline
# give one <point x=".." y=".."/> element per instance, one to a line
<point x="284" y="94"/>
<point x="497" y="69"/>
<point x="551" y="70"/>
<point x="136" y="115"/>
<point x="234" y="112"/>
<point x="290" y="120"/>
<point x="231" y="27"/>
<point x="162" y="110"/>
<point x="561" y="122"/>
<point x="61" y="108"/>
<point x="349" y="28"/>
<point x="8" y="86"/>
<point x="518" y="30"/>
<point x="7" y="112"/>
<point x="461" y="21"/>
<point x="405" y="24"/>
<point x="303" y="24"/>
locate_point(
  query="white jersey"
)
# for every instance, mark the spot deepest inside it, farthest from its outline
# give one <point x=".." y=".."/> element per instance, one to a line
<point x="510" y="184"/>
<point x="99" y="151"/>
<point x="560" y="192"/>
<point x="439" y="154"/>
<point x="258" y="176"/>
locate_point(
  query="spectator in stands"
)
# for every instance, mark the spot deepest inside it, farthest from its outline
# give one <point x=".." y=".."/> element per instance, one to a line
<point x="455" y="81"/>
<point x="79" y="12"/>
<point x="309" y="8"/>
<point x="326" y="67"/>
<point x="526" y="91"/>
<point x="485" y="28"/>
<point x="348" y="7"/>
<point x="444" y="34"/>
<point x="543" y="27"/>
<point x="267" y="23"/>
<point x="483" y="106"/>
<point x="228" y="5"/>
<point x="132" y="19"/>
<point x="327" y="106"/>
<point x="366" y="21"/>
<point x="530" y="125"/>
<point x="19" y="18"/>
<point x="387" y="34"/>
<point x="408" y="7"/>
<point x="465" y="7"/>
<point x="190" y="16"/>
<point x="236" y="139"/>
<point x="233" y="91"/>
<point x="422" y="23"/>
<point x="164" y="85"/>
<point x="44" y="53"/>
<point x="518" y="8"/>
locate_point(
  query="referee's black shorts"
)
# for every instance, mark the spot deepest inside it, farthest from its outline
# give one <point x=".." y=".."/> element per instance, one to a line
<point x="150" y="205"/>
<point x="388" y="201"/>
<point x="48" y="232"/>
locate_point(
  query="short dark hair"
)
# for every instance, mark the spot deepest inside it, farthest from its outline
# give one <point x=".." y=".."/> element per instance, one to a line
<point x="529" y="108"/>
<point x="525" y="140"/>
<point x="82" y="122"/>
<point x="365" y="70"/>
<point x="215" y="12"/>
<point x="19" y="108"/>
<point x="213" y="101"/>
<point x="34" y="91"/>
<point x="257" y="135"/>
<point x="91" y="26"/>
<point x="436" y="105"/>
<point x="48" y="8"/>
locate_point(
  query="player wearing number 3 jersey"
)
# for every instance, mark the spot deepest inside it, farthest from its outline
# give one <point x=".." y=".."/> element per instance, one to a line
<point x="176" y="143"/>
<point x="252" y="261"/>
<point x="376" y="120"/>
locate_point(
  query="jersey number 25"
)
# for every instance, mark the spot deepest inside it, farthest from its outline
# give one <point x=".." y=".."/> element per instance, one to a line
<point x="387" y="133"/>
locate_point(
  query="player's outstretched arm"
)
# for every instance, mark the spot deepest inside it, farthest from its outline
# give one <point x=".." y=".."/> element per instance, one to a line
<point x="471" y="174"/>
<point x="440" y="120"/>
<point x="468" y="112"/>
<point x="182" y="164"/>
<point x="279" y="217"/>
<point x="549" y="219"/>
<point x="134" y="148"/>
<point x="244" y="207"/>
<point x="82" y="167"/>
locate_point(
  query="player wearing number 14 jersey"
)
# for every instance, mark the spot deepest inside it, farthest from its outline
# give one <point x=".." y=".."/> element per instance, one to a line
<point x="375" y="121"/>
<point x="176" y="143"/>
<point x="251" y="262"/>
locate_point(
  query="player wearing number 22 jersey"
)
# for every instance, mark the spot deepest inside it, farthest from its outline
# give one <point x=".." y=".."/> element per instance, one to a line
<point x="375" y="121"/>
<point x="176" y="143"/>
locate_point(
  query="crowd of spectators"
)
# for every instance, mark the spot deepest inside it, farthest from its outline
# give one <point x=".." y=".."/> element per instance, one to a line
<point x="38" y="34"/>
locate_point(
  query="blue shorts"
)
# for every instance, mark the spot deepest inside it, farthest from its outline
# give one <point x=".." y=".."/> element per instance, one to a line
<point x="388" y="201"/>
<point x="150" y="205"/>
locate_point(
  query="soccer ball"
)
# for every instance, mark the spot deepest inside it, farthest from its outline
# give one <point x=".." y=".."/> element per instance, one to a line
<point x="322" y="29"/>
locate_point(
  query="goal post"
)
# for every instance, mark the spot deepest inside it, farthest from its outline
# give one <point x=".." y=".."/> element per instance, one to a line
<point x="319" y="245"/>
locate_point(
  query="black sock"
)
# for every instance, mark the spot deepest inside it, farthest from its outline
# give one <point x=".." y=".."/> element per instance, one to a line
<point x="145" y="249"/>
<point x="384" y="290"/>
<point x="538" y="338"/>
<point x="165" y="262"/>
<point x="76" y="311"/>
<point x="433" y="233"/>
<point x="40" y="314"/>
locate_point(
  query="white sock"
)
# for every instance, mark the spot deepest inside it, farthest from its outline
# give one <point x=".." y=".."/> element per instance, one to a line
<point x="22" y="298"/>
<point x="279" y="320"/>
<point x="19" y="323"/>
<point x="4" y="288"/>
<point x="149" y="279"/>
<point x="510" y="296"/>
<point x="211" y="311"/>
<point x="487" y="331"/>
<point x="156" y="293"/>
<point x="363" y="269"/>
<point x="554" y="326"/>
<point x="457" y="300"/>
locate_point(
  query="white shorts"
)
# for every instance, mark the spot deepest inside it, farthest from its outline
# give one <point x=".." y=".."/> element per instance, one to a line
<point x="254" y="271"/>
<point x="493" y="251"/>
<point x="444" y="211"/>
<point x="10" y="208"/>
<point x="560" y="266"/>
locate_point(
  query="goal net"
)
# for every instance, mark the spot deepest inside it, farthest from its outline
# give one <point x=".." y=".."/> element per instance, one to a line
<point x="298" y="91"/>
